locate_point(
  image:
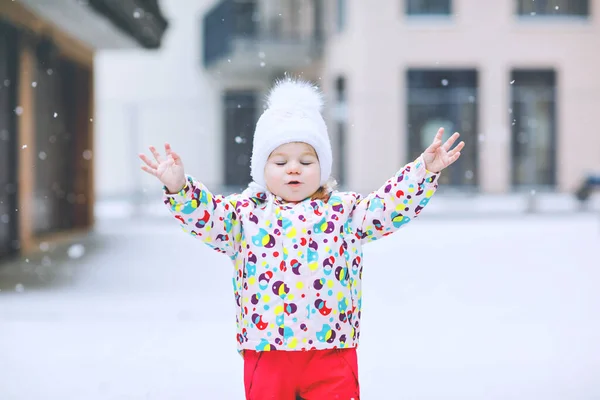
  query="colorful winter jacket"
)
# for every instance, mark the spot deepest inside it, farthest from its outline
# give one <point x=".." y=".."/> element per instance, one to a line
<point x="298" y="266"/>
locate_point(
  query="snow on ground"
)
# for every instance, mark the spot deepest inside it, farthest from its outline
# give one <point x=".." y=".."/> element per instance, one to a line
<point x="490" y="308"/>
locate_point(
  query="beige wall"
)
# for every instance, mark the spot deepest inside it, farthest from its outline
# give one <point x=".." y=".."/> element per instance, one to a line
<point x="380" y="43"/>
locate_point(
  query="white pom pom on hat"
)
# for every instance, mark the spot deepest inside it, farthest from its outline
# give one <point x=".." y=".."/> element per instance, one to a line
<point x="293" y="114"/>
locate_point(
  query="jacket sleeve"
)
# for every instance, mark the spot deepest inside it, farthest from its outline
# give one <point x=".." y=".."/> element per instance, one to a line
<point x="213" y="219"/>
<point x="396" y="203"/>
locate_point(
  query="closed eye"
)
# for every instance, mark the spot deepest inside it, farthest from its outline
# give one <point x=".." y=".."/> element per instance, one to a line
<point x="280" y="163"/>
<point x="306" y="163"/>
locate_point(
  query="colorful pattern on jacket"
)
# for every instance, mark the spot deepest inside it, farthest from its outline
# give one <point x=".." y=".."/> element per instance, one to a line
<point x="298" y="266"/>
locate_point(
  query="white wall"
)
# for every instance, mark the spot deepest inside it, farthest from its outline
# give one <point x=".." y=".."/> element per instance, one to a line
<point x="148" y="97"/>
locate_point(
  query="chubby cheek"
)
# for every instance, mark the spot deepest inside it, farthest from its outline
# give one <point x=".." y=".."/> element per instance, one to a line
<point x="315" y="176"/>
<point x="273" y="178"/>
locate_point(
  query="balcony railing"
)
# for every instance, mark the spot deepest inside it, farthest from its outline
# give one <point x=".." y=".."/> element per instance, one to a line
<point x="238" y="27"/>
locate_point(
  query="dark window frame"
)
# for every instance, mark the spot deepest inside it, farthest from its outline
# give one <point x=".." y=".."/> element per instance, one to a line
<point x="435" y="8"/>
<point x="519" y="133"/>
<point x="341" y="98"/>
<point x="240" y="108"/>
<point x="10" y="39"/>
<point x="547" y="8"/>
<point x="444" y="95"/>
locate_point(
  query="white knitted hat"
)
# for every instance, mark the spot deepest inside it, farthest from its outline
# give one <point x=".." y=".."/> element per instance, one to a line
<point x="293" y="114"/>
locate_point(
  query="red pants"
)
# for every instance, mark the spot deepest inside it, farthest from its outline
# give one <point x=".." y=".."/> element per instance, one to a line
<point x="309" y="375"/>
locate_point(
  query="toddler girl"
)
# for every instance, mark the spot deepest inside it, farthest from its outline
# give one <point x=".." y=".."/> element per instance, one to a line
<point x="296" y="245"/>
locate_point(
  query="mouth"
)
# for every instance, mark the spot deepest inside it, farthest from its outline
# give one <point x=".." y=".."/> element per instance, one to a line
<point x="294" y="183"/>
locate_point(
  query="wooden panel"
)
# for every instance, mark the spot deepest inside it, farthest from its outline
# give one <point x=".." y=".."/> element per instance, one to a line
<point x="69" y="46"/>
<point x="26" y="138"/>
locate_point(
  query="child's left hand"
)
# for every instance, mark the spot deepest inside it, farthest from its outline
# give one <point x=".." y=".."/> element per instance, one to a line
<point x="438" y="156"/>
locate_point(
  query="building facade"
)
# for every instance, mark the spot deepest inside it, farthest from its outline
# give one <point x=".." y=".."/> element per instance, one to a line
<point x="516" y="78"/>
<point x="47" y="110"/>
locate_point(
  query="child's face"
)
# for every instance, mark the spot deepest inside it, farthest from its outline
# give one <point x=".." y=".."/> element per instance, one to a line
<point x="293" y="172"/>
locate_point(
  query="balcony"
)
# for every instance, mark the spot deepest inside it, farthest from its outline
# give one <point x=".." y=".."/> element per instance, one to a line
<point x="105" y="24"/>
<point x="250" y="37"/>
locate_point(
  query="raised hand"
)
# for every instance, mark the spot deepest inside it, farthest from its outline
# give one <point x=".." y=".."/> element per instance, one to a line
<point x="168" y="169"/>
<point x="438" y="156"/>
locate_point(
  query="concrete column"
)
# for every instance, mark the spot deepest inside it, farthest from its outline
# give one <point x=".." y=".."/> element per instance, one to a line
<point x="494" y="126"/>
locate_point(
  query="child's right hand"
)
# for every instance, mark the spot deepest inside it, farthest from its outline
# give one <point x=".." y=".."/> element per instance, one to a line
<point x="169" y="170"/>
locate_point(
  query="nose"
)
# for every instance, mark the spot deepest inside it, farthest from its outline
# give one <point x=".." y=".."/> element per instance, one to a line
<point x="292" y="167"/>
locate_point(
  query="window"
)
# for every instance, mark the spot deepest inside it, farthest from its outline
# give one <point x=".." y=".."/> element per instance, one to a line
<point x="61" y="128"/>
<point x="239" y="122"/>
<point x="341" y="15"/>
<point x="9" y="65"/>
<point x="448" y="99"/>
<point x="428" y="7"/>
<point x="244" y="18"/>
<point x="533" y="125"/>
<point x="553" y="7"/>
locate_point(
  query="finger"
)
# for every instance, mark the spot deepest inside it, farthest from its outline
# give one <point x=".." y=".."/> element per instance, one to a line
<point x="149" y="170"/>
<point x="437" y="142"/>
<point x="451" y="141"/>
<point x="434" y="146"/>
<point x="155" y="154"/>
<point x="175" y="157"/>
<point x="454" y="157"/>
<point x="148" y="162"/>
<point x="168" y="150"/>
<point x="457" y="149"/>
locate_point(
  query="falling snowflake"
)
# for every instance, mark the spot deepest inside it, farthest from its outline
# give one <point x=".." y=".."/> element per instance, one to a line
<point x="76" y="251"/>
<point x="19" y="288"/>
<point x="87" y="155"/>
<point x="33" y="84"/>
<point x="444" y="82"/>
<point x="24" y="146"/>
<point x="55" y="114"/>
<point x="19" y="110"/>
<point x="42" y="156"/>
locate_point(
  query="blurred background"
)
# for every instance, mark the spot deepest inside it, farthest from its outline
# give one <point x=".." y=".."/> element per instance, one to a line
<point x="492" y="293"/>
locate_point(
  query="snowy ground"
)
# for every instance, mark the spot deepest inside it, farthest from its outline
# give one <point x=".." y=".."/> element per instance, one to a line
<point x="496" y="308"/>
